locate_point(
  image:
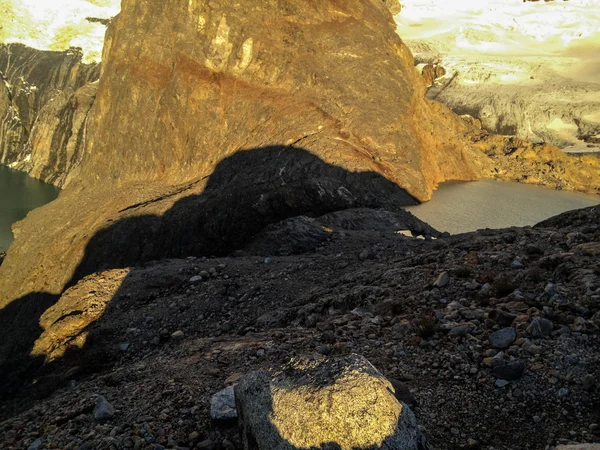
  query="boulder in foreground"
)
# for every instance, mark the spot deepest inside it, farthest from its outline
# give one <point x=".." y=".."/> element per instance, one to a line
<point x="343" y="403"/>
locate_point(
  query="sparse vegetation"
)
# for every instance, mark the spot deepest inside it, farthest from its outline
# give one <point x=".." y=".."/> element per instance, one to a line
<point x="503" y="286"/>
<point x="534" y="274"/>
<point x="426" y="325"/>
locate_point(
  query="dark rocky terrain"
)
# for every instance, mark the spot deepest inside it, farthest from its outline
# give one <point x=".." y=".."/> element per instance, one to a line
<point x="496" y="333"/>
<point x="233" y="197"/>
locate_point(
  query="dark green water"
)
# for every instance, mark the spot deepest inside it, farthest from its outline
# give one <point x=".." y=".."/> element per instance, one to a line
<point x="19" y="194"/>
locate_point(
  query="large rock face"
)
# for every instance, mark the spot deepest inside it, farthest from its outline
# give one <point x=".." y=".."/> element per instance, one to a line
<point x="324" y="100"/>
<point x="44" y="101"/>
<point x="197" y="81"/>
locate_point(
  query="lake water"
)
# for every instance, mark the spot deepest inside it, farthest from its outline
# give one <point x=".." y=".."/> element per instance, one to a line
<point x="459" y="207"/>
<point x="456" y="207"/>
<point x="19" y="194"/>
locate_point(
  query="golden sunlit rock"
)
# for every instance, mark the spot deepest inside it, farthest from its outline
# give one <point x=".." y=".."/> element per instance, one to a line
<point x="342" y="403"/>
<point x="64" y="324"/>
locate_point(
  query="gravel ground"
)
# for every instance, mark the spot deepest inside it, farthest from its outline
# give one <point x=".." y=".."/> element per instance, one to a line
<point x="496" y="333"/>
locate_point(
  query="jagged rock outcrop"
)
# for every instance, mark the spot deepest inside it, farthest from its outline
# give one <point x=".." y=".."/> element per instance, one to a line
<point x="221" y="82"/>
<point x="431" y="73"/>
<point x="394" y="6"/>
<point x="303" y="234"/>
<point x="325" y="101"/>
<point x="44" y="101"/>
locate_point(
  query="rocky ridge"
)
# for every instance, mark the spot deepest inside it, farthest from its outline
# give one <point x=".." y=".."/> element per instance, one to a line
<point x="495" y="332"/>
<point x="211" y="80"/>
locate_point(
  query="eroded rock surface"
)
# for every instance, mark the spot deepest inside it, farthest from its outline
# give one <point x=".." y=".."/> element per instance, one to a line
<point x="44" y="101"/>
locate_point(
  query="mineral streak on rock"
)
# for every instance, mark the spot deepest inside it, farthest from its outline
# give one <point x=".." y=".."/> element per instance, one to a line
<point x="208" y="79"/>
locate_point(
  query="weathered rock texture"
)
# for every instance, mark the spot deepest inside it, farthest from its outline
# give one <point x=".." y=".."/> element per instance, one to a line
<point x="186" y="85"/>
<point x="338" y="403"/>
<point x="44" y="101"/>
<point x="556" y="111"/>
<point x="198" y="81"/>
<point x="513" y="159"/>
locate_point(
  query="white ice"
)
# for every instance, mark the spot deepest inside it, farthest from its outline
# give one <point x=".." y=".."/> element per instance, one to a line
<point x="56" y="24"/>
<point x="520" y="58"/>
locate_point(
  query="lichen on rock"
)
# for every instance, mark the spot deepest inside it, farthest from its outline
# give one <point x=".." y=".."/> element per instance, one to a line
<point x="338" y="403"/>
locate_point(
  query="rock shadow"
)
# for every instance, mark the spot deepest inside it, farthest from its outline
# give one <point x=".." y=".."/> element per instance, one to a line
<point x="246" y="192"/>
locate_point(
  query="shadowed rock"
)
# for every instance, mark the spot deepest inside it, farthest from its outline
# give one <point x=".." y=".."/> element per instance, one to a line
<point x="211" y="216"/>
<point x="304" y="234"/>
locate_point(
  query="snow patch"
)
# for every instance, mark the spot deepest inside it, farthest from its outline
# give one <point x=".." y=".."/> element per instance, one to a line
<point x="57" y="24"/>
<point x="595" y="118"/>
<point x="528" y="67"/>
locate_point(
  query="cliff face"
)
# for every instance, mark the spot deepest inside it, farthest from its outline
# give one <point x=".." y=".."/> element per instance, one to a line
<point x="323" y="96"/>
<point x="44" y="101"/>
<point x="198" y="81"/>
